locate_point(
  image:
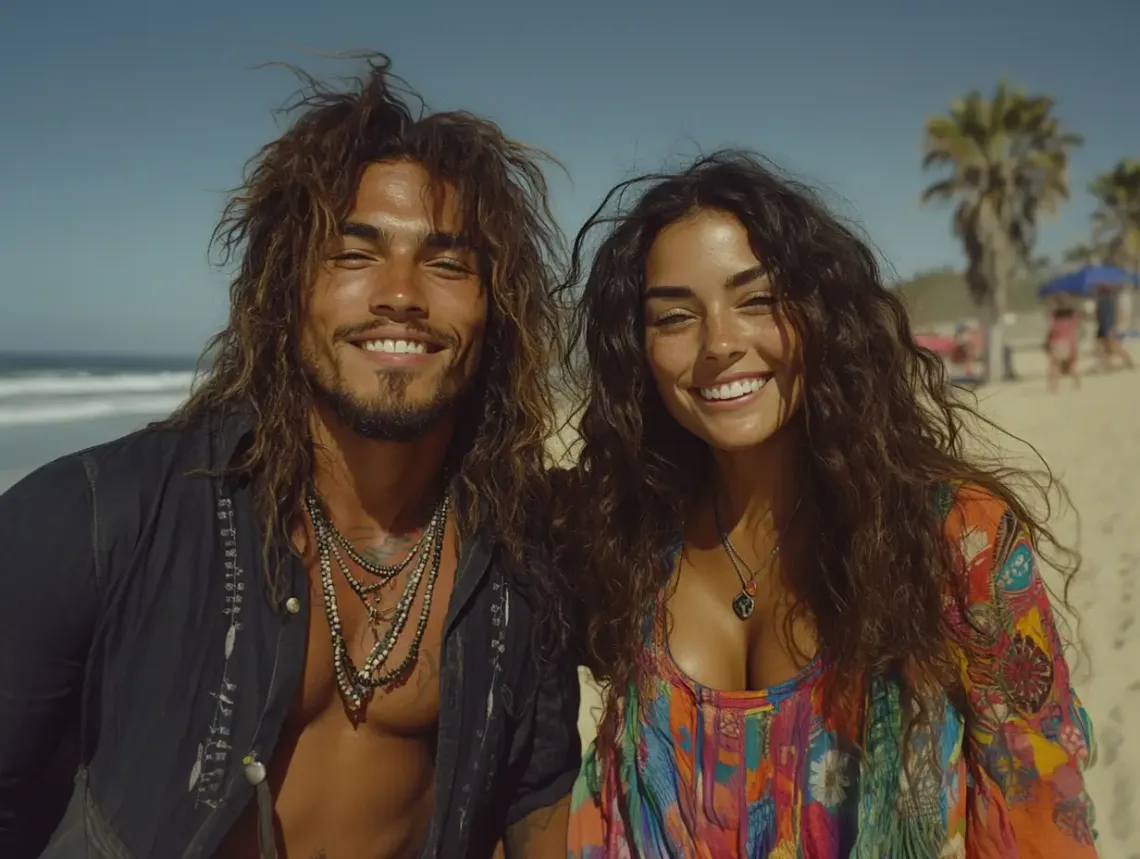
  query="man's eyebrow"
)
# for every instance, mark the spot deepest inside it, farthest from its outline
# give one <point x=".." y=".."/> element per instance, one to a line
<point x="360" y="230"/>
<point x="436" y="240"/>
<point x="447" y="241"/>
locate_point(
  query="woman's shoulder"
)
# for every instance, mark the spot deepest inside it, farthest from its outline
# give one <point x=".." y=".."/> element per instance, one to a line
<point x="970" y="505"/>
<point x="989" y="540"/>
<point x="974" y="516"/>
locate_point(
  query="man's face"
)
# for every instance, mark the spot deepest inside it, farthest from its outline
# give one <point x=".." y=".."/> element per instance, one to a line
<point x="394" y="323"/>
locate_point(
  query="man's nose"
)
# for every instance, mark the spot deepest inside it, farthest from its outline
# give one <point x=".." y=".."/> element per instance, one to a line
<point x="396" y="289"/>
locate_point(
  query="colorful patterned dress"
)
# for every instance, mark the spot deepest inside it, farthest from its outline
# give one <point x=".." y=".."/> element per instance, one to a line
<point x="717" y="774"/>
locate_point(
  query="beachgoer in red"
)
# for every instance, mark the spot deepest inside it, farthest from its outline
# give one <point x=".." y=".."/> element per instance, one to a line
<point x="1062" y="344"/>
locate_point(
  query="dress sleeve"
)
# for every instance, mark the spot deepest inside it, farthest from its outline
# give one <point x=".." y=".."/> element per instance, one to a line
<point x="1029" y="735"/>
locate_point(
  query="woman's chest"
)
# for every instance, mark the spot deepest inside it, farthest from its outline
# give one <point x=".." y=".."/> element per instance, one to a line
<point x="714" y="645"/>
<point x="755" y="781"/>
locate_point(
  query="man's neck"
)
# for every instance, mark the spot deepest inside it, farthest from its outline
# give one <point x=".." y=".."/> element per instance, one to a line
<point x="383" y="485"/>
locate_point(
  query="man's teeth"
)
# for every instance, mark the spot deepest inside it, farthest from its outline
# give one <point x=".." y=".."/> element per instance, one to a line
<point x="733" y="390"/>
<point x="398" y="347"/>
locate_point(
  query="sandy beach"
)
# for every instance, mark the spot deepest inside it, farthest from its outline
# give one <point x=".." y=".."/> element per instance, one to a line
<point x="1091" y="440"/>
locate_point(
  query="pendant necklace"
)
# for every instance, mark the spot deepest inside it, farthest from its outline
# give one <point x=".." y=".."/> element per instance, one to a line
<point x="355" y="683"/>
<point x="745" y="602"/>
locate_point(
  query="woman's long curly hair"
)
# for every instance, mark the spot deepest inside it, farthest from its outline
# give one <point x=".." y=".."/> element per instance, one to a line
<point x="297" y="191"/>
<point x="879" y="428"/>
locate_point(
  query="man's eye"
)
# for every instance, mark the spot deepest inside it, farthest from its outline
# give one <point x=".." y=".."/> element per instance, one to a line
<point x="452" y="266"/>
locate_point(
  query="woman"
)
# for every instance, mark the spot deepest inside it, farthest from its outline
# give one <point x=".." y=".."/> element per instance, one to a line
<point x="820" y="622"/>
<point x="1062" y="342"/>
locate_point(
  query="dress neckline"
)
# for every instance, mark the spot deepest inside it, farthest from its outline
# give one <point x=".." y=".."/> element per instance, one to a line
<point x="734" y="699"/>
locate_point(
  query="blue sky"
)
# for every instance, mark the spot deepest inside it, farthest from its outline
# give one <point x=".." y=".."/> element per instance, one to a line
<point x="123" y="122"/>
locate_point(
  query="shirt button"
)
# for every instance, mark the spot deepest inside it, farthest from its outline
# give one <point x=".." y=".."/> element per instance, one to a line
<point x="292" y="605"/>
<point x="254" y="771"/>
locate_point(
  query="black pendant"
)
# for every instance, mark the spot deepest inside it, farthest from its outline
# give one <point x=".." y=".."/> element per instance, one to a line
<point x="743" y="605"/>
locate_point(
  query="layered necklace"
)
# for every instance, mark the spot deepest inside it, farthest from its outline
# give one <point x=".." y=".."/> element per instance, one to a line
<point x="356" y="684"/>
<point x="745" y="602"/>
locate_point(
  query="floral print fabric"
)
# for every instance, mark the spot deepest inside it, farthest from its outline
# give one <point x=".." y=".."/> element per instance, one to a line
<point x="708" y="773"/>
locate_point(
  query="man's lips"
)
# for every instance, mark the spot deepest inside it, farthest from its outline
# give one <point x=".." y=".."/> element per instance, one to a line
<point x="398" y="346"/>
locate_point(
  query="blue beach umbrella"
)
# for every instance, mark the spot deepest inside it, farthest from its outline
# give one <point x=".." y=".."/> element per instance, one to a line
<point x="1084" y="281"/>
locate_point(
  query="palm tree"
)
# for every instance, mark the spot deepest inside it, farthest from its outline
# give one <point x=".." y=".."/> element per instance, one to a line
<point x="1008" y="160"/>
<point x="1082" y="255"/>
<point x="1039" y="269"/>
<point x="1116" y="220"/>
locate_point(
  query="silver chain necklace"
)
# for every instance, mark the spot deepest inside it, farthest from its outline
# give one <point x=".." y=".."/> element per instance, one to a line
<point x="356" y="684"/>
<point x="745" y="602"/>
<point x="384" y="571"/>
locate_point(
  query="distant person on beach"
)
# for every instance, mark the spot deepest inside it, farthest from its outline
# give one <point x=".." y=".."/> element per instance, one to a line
<point x="1108" y="345"/>
<point x="822" y="623"/>
<point x="301" y="617"/>
<point x="1062" y="343"/>
<point x="967" y="345"/>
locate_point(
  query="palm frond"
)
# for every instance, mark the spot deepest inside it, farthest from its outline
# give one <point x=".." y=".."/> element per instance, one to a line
<point x="1007" y="156"/>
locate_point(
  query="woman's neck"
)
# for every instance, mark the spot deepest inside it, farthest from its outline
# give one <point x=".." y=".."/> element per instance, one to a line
<point x="755" y="491"/>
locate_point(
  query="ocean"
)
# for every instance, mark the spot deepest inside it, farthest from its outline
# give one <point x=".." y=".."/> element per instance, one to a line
<point x="53" y="404"/>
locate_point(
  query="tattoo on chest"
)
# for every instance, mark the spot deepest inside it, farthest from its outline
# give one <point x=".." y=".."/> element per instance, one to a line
<point x="383" y="550"/>
<point x="380" y="548"/>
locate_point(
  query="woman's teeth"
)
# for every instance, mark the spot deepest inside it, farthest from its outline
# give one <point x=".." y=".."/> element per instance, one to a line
<point x="733" y="390"/>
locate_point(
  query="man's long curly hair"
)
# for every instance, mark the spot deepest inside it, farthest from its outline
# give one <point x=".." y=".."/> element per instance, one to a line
<point x="297" y="191"/>
<point x="879" y="428"/>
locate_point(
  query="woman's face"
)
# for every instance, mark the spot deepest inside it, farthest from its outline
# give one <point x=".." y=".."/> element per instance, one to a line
<point x="723" y="354"/>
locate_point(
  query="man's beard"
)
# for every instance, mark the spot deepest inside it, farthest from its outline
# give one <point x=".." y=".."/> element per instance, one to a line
<point x="392" y="419"/>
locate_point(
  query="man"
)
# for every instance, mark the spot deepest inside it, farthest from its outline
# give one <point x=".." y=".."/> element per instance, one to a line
<point x="299" y="617"/>
<point x="1108" y="344"/>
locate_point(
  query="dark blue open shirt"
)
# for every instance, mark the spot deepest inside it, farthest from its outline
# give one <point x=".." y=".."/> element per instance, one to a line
<point x="134" y="608"/>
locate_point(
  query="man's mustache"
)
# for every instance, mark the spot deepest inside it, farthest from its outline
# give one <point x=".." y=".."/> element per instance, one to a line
<point x="393" y="330"/>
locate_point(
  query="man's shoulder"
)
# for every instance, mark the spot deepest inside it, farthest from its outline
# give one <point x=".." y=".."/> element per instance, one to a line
<point x="518" y="580"/>
<point x="150" y="455"/>
<point x="140" y="463"/>
<point x="535" y="622"/>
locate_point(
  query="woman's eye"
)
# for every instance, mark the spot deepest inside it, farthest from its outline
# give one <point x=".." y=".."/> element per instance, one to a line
<point x="670" y="319"/>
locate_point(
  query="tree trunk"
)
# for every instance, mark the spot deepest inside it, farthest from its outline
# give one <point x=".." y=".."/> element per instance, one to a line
<point x="1002" y="272"/>
<point x="994" y="343"/>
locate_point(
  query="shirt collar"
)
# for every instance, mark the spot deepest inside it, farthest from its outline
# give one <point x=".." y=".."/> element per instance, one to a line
<point x="235" y="428"/>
